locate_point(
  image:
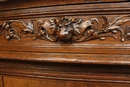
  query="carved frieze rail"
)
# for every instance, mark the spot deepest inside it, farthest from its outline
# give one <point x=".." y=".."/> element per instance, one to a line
<point x="67" y="29"/>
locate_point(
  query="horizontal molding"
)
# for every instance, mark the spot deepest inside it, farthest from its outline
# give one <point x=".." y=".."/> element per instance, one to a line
<point x="8" y="5"/>
<point x="65" y="71"/>
<point x="122" y="49"/>
<point x="65" y="76"/>
<point x="83" y="9"/>
<point x="67" y="58"/>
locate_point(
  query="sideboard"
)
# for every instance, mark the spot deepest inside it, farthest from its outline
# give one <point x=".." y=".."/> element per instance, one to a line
<point x="63" y="43"/>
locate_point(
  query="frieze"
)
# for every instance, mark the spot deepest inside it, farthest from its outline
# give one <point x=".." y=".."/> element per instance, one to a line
<point x="69" y="29"/>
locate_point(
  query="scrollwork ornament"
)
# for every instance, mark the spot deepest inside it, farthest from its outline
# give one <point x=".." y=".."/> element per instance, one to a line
<point x="68" y="29"/>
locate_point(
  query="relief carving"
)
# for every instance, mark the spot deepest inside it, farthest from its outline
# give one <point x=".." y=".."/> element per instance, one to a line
<point x="67" y="29"/>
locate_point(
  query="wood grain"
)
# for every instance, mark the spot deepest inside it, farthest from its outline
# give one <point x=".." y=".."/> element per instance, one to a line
<point x="108" y="46"/>
<point x="14" y="4"/>
<point x="65" y="71"/>
<point x="24" y="82"/>
<point x="41" y="63"/>
<point x="83" y="9"/>
<point x="67" y="29"/>
<point x="68" y="57"/>
<point x="1" y="82"/>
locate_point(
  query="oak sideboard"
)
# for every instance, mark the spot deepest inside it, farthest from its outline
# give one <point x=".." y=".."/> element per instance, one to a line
<point x="64" y="43"/>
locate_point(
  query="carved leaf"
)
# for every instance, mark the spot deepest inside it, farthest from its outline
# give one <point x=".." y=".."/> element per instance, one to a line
<point x="69" y="29"/>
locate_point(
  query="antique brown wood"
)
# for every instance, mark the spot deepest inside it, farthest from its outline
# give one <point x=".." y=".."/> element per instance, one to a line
<point x="14" y="4"/>
<point x="70" y="29"/>
<point x="1" y="82"/>
<point x="55" y="43"/>
<point x="54" y="83"/>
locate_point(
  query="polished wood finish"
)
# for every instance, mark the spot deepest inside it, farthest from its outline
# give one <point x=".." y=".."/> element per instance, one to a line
<point x="69" y="29"/>
<point x="54" y="43"/>
<point x="1" y="82"/>
<point x="67" y="71"/>
<point x="81" y="10"/>
<point x="110" y="59"/>
<point x="24" y="82"/>
<point x="14" y="4"/>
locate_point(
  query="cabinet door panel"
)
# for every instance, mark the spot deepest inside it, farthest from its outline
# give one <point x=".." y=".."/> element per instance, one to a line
<point x="35" y="82"/>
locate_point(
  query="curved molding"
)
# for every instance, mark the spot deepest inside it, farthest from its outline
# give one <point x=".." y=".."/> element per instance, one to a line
<point x="67" y="29"/>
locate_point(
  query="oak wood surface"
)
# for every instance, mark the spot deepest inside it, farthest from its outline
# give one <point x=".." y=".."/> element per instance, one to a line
<point x="108" y="46"/>
<point x="67" y="10"/>
<point x="1" y="81"/>
<point x="100" y="73"/>
<point x="24" y="82"/>
<point x="112" y="59"/>
<point x="15" y="4"/>
<point x="42" y="63"/>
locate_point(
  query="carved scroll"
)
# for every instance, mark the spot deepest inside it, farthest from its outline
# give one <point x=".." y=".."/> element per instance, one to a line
<point x="67" y="29"/>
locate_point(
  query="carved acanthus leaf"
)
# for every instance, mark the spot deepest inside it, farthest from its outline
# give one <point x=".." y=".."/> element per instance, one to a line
<point x="67" y="29"/>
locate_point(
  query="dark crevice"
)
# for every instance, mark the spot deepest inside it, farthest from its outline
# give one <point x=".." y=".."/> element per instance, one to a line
<point x="2" y="81"/>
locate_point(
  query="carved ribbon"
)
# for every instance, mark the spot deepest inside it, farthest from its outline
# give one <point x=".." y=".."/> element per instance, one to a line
<point x="69" y="29"/>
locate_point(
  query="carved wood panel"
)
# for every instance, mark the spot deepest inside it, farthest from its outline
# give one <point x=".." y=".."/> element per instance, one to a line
<point x="69" y="29"/>
<point x="95" y="43"/>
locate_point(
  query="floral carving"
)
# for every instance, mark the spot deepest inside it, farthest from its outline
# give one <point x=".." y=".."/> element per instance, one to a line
<point x="9" y="32"/>
<point x="67" y="29"/>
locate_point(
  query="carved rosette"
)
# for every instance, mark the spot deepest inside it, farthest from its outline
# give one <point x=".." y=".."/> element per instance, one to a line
<point x="67" y="29"/>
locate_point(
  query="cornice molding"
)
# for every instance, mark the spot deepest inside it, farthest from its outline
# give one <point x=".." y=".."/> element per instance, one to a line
<point x="60" y="10"/>
<point x="68" y="29"/>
